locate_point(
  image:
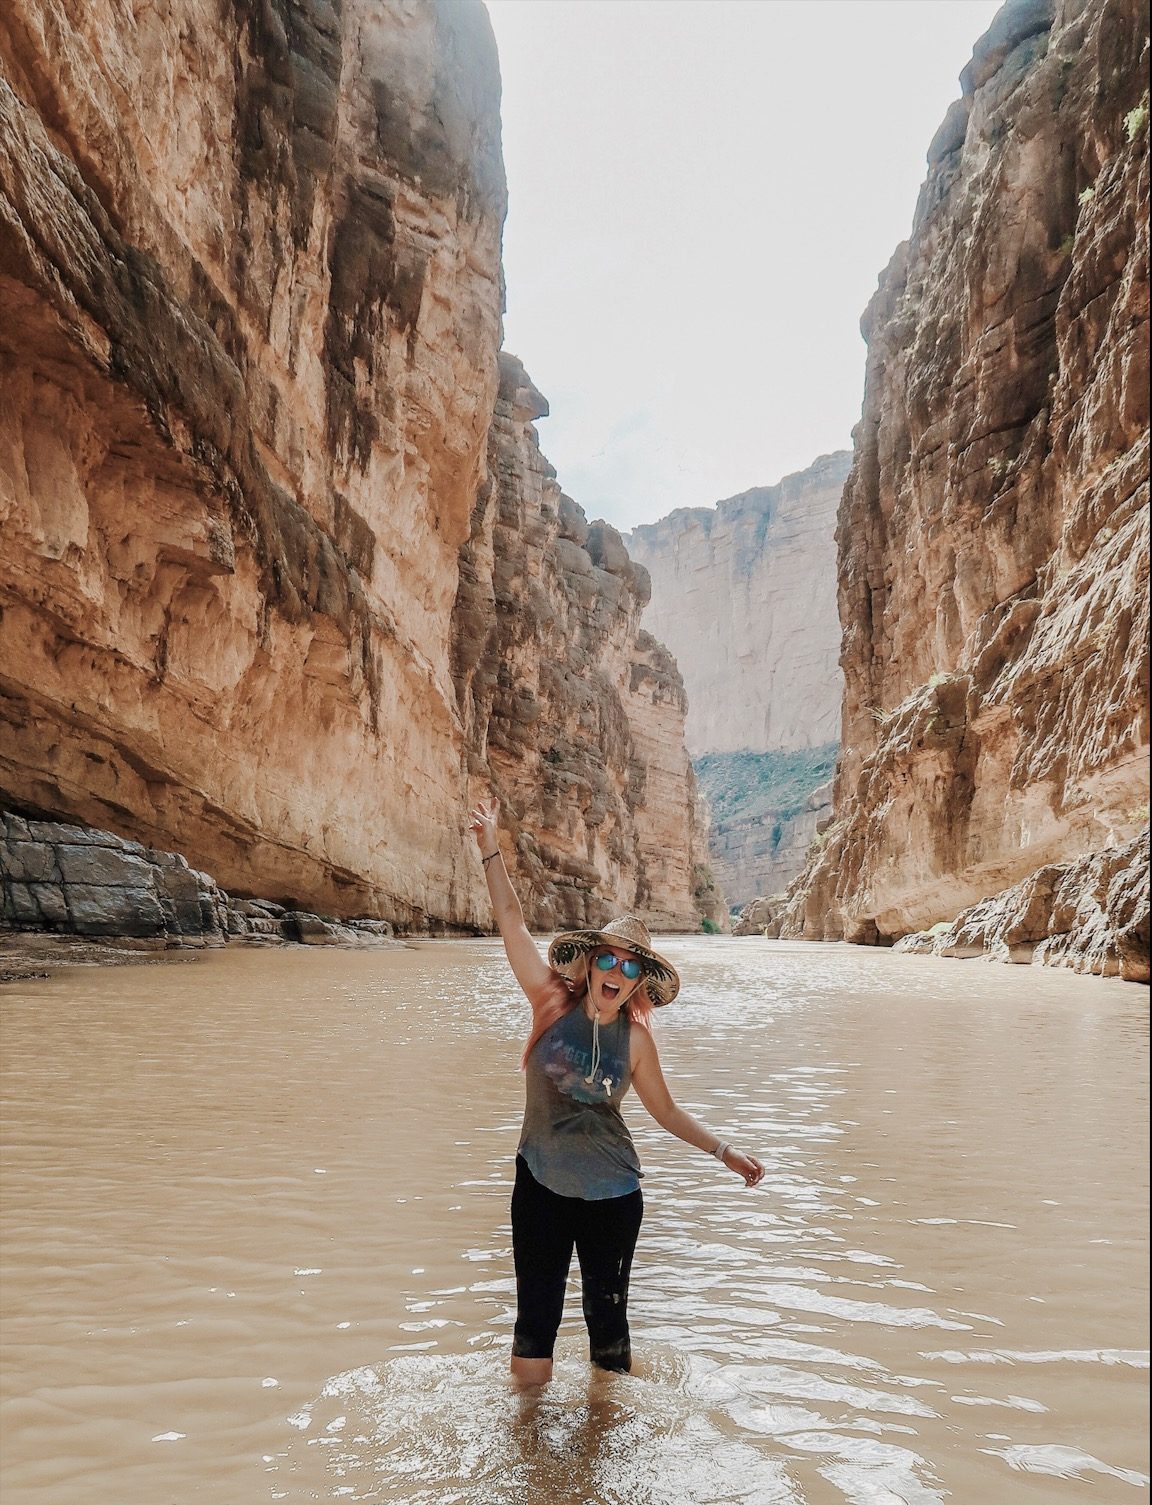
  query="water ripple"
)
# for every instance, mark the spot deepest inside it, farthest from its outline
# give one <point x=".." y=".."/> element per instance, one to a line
<point x="227" y="1181"/>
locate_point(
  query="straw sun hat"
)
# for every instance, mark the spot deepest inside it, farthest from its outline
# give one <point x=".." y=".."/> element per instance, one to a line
<point x="627" y="933"/>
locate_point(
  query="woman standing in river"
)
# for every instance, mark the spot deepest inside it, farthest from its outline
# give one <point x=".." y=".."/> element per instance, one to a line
<point x="577" y="1172"/>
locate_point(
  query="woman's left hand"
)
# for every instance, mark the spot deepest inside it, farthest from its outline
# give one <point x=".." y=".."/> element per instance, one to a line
<point x="745" y="1165"/>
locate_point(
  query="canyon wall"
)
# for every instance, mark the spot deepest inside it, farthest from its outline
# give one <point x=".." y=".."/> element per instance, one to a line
<point x="744" y="593"/>
<point x="251" y="283"/>
<point x="574" y="716"/>
<point x="993" y="537"/>
<point x="764" y="812"/>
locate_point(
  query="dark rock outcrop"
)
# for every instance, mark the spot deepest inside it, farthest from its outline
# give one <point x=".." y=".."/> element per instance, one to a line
<point x="73" y="881"/>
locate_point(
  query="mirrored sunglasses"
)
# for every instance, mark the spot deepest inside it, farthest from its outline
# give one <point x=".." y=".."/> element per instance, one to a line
<point x="604" y="961"/>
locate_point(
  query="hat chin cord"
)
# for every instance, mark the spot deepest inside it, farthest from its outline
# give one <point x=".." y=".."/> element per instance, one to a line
<point x="590" y="1079"/>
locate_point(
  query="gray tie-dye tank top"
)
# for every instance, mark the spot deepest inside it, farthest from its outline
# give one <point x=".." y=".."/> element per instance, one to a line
<point x="575" y="1140"/>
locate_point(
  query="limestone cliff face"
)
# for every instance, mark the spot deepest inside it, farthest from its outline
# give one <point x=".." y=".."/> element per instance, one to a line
<point x="744" y="593"/>
<point x="993" y="538"/>
<point x="251" y="281"/>
<point x="251" y="290"/>
<point x="757" y="852"/>
<point x="573" y="715"/>
<point x="1090" y="913"/>
<point x="764" y="812"/>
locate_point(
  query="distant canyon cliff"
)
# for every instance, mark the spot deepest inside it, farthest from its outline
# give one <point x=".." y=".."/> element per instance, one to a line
<point x="993" y="538"/>
<point x="286" y="582"/>
<point x="744" y="593"/>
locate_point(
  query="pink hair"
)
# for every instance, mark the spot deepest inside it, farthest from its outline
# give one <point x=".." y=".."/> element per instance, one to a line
<point x="562" y="994"/>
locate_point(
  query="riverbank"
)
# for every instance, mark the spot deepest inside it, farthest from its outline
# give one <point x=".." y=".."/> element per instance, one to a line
<point x="79" y="897"/>
<point x="27" y="955"/>
<point x="1089" y="915"/>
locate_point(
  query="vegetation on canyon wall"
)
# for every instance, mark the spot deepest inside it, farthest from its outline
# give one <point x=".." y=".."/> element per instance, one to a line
<point x="744" y="593"/>
<point x="744" y="786"/>
<point x="765" y="809"/>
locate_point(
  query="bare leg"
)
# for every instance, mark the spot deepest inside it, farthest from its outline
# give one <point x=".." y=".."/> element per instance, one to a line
<point x="527" y="1372"/>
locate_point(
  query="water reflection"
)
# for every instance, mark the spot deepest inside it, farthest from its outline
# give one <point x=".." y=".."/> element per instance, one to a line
<point x="258" y="1240"/>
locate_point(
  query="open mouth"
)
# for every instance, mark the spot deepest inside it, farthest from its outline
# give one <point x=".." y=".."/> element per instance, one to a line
<point x="609" y="990"/>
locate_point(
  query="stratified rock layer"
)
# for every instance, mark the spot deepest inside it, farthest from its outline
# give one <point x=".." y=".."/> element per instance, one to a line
<point x="993" y="537"/>
<point x="1091" y="915"/>
<point x="744" y="594"/>
<point x="574" y="716"/>
<point x="250" y="275"/>
<point x="74" y="881"/>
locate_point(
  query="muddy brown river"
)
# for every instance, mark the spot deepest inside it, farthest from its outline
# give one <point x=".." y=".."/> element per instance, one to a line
<point x="257" y="1243"/>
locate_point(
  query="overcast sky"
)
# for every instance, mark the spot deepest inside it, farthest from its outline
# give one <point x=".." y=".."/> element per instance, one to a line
<point x="702" y="196"/>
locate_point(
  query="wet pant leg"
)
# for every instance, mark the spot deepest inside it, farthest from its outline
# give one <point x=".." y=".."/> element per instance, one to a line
<point x="606" y="1235"/>
<point x="542" y="1241"/>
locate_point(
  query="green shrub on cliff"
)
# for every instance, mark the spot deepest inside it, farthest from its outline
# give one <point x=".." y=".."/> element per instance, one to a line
<point x="744" y="786"/>
<point x="1137" y="119"/>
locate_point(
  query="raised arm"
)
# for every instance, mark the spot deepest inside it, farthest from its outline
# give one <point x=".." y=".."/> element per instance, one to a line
<point x="652" y="1090"/>
<point x="531" y="971"/>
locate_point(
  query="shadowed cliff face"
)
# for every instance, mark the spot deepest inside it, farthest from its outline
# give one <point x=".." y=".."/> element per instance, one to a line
<point x="993" y="534"/>
<point x="250" y="263"/>
<point x="250" y="272"/>
<point x="573" y="717"/>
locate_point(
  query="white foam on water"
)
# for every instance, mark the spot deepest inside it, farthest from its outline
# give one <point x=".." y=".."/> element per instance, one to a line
<point x="871" y="1472"/>
<point x="680" y="1430"/>
<point x="801" y="1384"/>
<point x="428" y="1429"/>
<point x="1014" y="1402"/>
<point x="1063" y="1463"/>
<point x="876" y="1487"/>
<point x="1134" y="1358"/>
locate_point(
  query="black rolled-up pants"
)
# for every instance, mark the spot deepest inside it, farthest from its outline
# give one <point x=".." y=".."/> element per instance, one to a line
<point x="545" y="1229"/>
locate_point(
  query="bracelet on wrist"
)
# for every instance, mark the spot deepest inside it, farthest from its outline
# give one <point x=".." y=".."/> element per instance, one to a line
<point x="491" y="857"/>
<point x="721" y="1150"/>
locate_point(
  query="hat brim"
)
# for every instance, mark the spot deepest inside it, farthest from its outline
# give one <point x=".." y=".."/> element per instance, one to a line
<point x="661" y="976"/>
